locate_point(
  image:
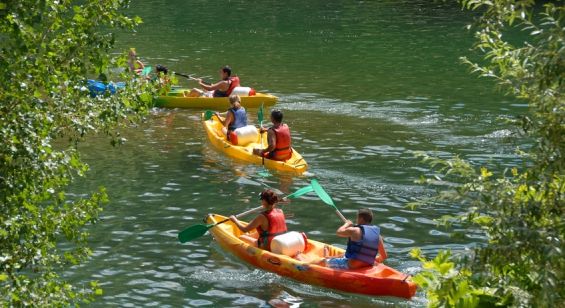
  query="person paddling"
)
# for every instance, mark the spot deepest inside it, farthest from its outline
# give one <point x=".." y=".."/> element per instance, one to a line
<point x="278" y="139"/>
<point x="235" y="117"/>
<point x="363" y="245"/>
<point x="269" y="223"/>
<point x="222" y="88"/>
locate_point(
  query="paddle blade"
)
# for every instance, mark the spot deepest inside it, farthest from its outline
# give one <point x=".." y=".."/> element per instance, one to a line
<point x="260" y="115"/>
<point x="146" y="70"/>
<point x="300" y="192"/>
<point x="264" y="173"/>
<point x="193" y="232"/>
<point x="322" y="194"/>
<point x="208" y="115"/>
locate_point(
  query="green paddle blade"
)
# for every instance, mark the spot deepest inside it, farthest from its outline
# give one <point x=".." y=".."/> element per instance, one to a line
<point x="264" y="173"/>
<point x="146" y="70"/>
<point x="208" y="114"/>
<point x="193" y="232"/>
<point x="322" y="194"/>
<point x="260" y="115"/>
<point x="300" y="192"/>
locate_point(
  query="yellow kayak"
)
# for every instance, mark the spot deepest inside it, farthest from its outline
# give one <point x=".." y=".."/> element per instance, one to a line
<point x="378" y="280"/>
<point x="213" y="126"/>
<point x="175" y="99"/>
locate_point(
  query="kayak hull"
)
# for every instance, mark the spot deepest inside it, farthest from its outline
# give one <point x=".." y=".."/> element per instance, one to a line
<point x="379" y="280"/>
<point x="296" y="164"/>
<point x="175" y="99"/>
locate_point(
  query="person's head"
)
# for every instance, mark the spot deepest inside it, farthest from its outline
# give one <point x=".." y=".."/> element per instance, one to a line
<point x="161" y="68"/>
<point x="234" y="99"/>
<point x="364" y="216"/>
<point x="132" y="53"/>
<point x="268" y="198"/>
<point x="225" y="72"/>
<point x="276" y="116"/>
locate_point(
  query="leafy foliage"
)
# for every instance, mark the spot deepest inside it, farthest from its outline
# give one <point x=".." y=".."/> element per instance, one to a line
<point x="521" y="210"/>
<point x="47" y="49"/>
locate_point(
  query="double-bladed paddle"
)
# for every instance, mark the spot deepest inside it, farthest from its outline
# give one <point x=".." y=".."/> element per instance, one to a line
<point x="197" y="231"/>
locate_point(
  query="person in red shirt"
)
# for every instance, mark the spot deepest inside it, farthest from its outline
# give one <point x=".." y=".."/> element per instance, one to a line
<point x="269" y="223"/>
<point x="278" y="138"/>
<point x="222" y="88"/>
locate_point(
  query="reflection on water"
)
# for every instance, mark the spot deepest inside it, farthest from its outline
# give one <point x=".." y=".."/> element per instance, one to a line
<point x="363" y="85"/>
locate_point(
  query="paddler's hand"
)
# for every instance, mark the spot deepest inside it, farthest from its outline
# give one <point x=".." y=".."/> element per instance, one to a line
<point x="258" y="152"/>
<point x="233" y="219"/>
<point x="348" y="223"/>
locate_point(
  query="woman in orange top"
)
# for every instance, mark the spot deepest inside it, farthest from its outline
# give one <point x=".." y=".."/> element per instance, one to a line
<point x="269" y="223"/>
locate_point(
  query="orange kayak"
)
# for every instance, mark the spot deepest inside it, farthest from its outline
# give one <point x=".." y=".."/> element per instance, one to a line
<point x="379" y="280"/>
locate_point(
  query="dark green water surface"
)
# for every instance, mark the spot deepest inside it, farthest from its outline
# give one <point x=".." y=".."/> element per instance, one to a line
<point x="362" y="84"/>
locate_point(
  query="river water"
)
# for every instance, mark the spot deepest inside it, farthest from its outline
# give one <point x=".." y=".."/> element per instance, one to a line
<point x="362" y="84"/>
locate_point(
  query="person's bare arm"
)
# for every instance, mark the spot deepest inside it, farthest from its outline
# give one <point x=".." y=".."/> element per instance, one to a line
<point x="228" y="119"/>
<point x="271" y="141"/>
<point x="382" y="251"/>
<point x="348" y="230"/>
<point x="220" y="85"/>
<point x="258" y="221"/>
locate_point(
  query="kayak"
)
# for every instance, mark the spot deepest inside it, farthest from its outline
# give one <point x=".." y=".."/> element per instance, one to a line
<point x="176" y="99"/>
<point x="213" y="126"/>
<point x="97" y="87"/>
<point x="378" y="280"/>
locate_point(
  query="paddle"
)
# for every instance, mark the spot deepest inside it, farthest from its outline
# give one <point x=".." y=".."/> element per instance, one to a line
<point x="264" y="172"/>
<point x="197" y="231"/>
<point x="192" y="78"/>
<point x="208" y="114"/>
<point x="145" y="72"/>
<point x="326" y="198"/>
<point x="184" y="75"/>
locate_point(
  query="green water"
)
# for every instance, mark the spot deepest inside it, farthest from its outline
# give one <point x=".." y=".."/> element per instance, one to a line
<point x="362" y="84"/>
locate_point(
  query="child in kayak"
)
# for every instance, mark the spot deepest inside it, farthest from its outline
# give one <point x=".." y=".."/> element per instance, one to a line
<point x="135" y="65"/>
<point x="235" y="117"/>
<point x="269" y="223"/>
